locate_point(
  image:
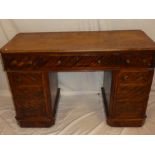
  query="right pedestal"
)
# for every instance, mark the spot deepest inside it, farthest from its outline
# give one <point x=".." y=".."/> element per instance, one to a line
<point x="126" y="94"/>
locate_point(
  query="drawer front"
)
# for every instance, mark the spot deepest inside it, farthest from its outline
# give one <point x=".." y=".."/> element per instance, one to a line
<point x="130" y="109"/>
<point x="30" y="102"/>
<point x="135" y="60"/>
<point x="31" y="108"/>
<point x="134" y="77"/>
<point x="15" y="62"/>
<point x="38" y="62"/>
<point x="32" y="93"/>
<point x="98" y="61"/>
<point x="26" y="79"/>
<point x="131" y="93"/>
<point x="131" y="101"/>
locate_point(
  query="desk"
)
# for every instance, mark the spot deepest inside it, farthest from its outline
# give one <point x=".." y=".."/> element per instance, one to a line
<point x="32" y="61"/>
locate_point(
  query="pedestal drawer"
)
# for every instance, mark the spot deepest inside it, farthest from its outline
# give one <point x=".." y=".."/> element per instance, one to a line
<point x="134" y="77"/>
<point x="30" y="101"/>
<point x="131" y="93"/>
<point x="130" y="109"/>
<point x="26" y="79"/>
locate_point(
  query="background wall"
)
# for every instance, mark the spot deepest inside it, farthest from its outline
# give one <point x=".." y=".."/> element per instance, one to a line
<point x="79" y="82"/>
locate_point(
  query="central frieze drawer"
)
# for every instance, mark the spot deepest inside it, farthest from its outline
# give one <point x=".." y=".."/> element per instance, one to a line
<point x="33" y="62"/>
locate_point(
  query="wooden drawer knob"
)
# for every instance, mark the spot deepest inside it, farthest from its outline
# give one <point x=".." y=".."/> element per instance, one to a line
<point x="59" y="62"/>
<point x="14" y="62"/>
<point x="144" y="61"/>
<point x="21" y="64"/>
<point x="125" y="77"/>
<point x="30" y="62"/>
<point x="99" y="61"/>
<point x="147" y="63"/>
<point x="128" y="61"/>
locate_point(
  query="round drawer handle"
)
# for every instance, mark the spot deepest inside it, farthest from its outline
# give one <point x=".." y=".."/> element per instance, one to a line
<point x="127" y="61"/>
<point x="20" y="64"/>
<point x="144" y="61"/>
<point x="14" y="62"/>
<point x="125" y="77"/>
<point x="99" y="61"/>
<point x="59" y="62"/>
<point x="30" y="62"/>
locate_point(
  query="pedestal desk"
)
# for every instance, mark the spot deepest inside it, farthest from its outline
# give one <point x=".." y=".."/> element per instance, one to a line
<point x="32" y="61"/>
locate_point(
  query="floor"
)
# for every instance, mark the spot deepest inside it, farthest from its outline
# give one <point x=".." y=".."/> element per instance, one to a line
<point x="77" y="115"/>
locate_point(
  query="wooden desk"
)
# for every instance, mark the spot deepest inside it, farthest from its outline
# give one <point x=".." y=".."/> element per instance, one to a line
<point x="127" y="57"/>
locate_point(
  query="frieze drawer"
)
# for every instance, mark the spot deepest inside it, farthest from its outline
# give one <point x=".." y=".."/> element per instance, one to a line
<point x="137" y="60"/>
<point x="15" y="62"/>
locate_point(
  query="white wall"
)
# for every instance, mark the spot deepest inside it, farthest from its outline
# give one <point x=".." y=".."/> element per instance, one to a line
<point x="69" y="82"/>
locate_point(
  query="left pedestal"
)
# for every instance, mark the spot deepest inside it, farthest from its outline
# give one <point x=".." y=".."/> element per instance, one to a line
<point x="35" y="97"/>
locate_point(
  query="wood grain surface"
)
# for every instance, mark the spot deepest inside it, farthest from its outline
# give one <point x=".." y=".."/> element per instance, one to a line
<point x="32" y="61"/>
<point x="123" y="40"/>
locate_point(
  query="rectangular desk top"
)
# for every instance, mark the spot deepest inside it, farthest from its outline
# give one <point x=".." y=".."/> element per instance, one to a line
<point x="92" y="41"/>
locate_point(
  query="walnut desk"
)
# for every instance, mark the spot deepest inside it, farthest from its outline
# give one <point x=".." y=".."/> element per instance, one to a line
<point x="32" y="61"/>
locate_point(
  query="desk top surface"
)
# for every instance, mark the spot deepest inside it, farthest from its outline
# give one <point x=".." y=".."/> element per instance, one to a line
<point x="92" y="41"/>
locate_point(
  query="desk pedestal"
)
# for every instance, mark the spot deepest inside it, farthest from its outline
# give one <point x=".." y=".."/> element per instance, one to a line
<point x="125" y="95"/>
<point x="35" y="96"/>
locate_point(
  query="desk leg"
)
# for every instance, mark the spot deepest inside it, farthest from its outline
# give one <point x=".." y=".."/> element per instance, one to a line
<point x="128" y="97"/>
<point x="35" y="96"/>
